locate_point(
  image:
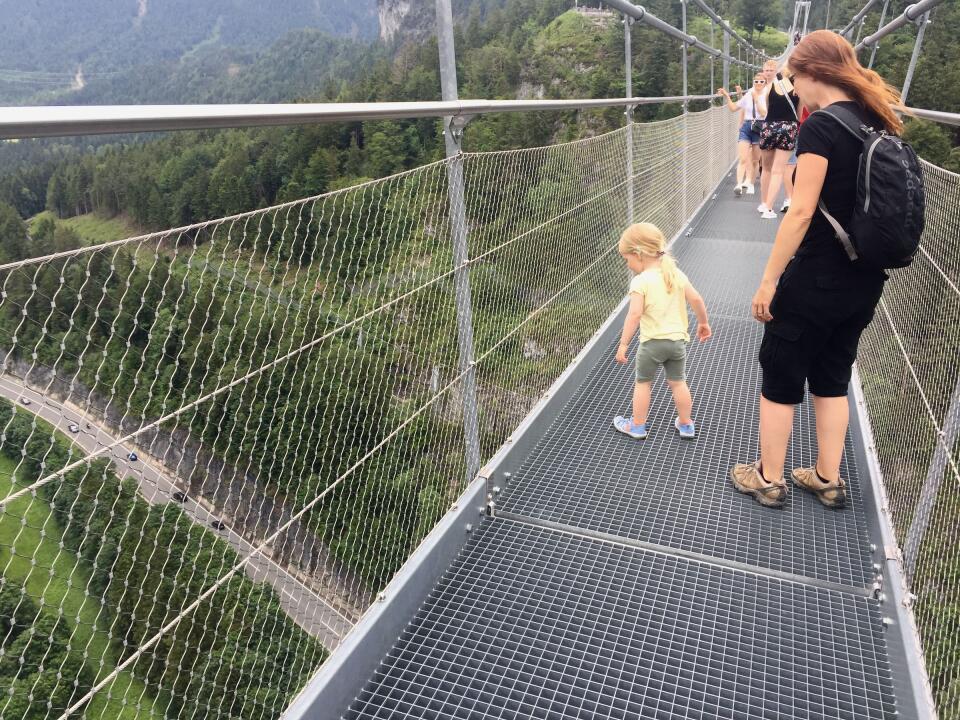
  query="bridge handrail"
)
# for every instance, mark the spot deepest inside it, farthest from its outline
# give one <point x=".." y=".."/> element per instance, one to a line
<point x="728" y="29"/>
<point x="911" y="14"/>
<point x="858" y="17"/>
<point x="939" y="116"/>
<point x="640" y="14"/>
<point x="60" y="121"/>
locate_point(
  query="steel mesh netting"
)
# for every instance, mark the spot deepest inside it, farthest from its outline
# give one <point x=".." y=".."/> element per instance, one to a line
<point x="910" y="371"/>
<point x="544" y="223"/>
<point x="277" y="369"/>
<point x="290" y="383"/>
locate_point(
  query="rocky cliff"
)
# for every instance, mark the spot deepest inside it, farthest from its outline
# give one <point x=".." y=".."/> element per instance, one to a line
<point x="406" y="19"/>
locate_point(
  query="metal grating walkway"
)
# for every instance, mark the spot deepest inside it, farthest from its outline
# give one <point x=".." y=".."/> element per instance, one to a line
<point x="626" y="579"/>
<point x="533" y="623"/>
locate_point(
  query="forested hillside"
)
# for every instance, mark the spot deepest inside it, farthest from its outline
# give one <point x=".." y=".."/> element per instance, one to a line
<point x="50" y="46"/>
<point x="519" y="49"/>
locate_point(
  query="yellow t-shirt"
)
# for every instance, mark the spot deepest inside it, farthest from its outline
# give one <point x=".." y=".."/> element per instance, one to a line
<point x="664" y="314"/>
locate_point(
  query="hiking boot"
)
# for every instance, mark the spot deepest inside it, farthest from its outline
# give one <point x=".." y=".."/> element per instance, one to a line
<point x="747" y="479"/>
<point x="832" y="494"/>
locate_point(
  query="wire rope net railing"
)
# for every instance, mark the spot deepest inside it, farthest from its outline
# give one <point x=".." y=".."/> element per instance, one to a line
<point x="910" y="371"/>
<point x="218" y="443"/>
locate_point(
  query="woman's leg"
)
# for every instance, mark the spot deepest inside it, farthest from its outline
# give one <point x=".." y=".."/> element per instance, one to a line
<point x="754" y="163"/>
<point x="641" y="402"/>
<point x="778" y="162"/>
<point x="682" y="399"/>
<point x="766" y="160"/>
<point x="788" y="180"/>
<point x="776" y="423"/>
<point x="743" y="166"/>
<point x="833" y="415"/>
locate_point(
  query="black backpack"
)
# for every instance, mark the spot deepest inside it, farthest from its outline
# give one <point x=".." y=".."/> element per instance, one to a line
<point x="888" y="218"/>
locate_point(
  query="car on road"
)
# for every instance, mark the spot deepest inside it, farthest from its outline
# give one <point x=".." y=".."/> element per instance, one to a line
<point x="132" y="457"/>
<point x="217" y="525"/>
<point x="180" y="496"/>
<point x="73" y="427"/>
<point x="25" y="401"/>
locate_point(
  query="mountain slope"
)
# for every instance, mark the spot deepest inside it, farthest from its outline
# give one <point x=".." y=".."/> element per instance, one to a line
<point x="56" y="44"/>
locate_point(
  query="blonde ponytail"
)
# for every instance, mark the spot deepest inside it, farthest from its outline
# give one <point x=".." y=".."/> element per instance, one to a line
<point x="670" y="272"/>
<point x="646" y="239"/>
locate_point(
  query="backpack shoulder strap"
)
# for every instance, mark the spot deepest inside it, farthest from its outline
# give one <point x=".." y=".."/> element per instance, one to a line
<point x="842" y="235"/>
<point x="848" y="119"/>
<point x="852" y="124"/>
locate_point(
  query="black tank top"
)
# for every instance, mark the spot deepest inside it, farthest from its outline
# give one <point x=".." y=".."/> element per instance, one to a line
<point x="778" y="108"/>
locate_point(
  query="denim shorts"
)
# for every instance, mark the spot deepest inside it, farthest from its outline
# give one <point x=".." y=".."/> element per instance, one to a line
<point x="748" y="135"/>
<point x="651" y="354"/>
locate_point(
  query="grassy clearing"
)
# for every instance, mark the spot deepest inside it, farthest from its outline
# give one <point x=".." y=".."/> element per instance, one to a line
<point x="92" y="228"/>
<point x="30" y="554"/>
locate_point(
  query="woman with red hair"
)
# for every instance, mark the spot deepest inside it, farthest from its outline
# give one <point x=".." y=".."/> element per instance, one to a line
<point x="815" y="302"/>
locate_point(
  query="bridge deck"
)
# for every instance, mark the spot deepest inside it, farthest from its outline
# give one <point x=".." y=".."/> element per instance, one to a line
<point x="626" y="579"/>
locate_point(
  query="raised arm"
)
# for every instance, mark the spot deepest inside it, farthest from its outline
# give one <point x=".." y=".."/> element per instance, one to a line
<point x="731" y="105"/>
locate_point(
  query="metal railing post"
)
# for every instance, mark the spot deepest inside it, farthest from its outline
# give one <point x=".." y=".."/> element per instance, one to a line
<point x="628" y="81"/>
<point x="712" y="78"/>
<point x="726" y="63"/>
<point x="686" y="104"/>
<point x="883" y="16"/>
<point x="452" y="132"/>
<point x="921" y="27"/>
<point x="931" y="485"/>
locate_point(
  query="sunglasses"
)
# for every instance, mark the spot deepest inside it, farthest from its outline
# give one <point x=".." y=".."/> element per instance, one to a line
<point x="759" y="82"/>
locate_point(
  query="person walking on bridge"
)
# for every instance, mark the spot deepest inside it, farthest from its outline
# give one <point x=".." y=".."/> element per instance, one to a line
<point x="659" y="294"/>
<point x="778" y="140"/>
<point x="752" y="108"/>
<point x="814" y="300"/>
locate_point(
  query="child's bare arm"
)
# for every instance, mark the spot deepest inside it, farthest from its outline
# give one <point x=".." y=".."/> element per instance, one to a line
<point x="700" y="310"/>
<point x="630" y="325"/>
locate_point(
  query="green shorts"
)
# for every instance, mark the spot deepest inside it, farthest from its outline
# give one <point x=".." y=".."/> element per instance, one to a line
<point x="672" y="354"/>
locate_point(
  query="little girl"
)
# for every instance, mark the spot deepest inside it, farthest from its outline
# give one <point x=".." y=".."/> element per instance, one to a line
<point x="659" y="293"/>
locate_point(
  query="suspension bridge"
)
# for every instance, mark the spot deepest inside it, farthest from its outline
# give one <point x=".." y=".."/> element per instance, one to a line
<point x="351" y="456"/>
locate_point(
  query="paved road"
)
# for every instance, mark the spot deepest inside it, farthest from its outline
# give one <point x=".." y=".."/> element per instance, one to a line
<point x="301" y="603"/>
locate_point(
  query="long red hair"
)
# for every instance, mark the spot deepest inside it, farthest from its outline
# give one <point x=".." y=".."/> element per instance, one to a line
<point x="830" y="58"/>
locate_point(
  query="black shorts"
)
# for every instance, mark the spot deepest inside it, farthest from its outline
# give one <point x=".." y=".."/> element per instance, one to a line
<point x="818" y="317"/>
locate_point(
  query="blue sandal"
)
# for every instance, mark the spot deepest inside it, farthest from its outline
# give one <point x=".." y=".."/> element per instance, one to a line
<point x="626" y="426"/>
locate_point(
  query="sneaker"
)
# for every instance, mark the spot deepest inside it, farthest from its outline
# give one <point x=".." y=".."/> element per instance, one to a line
<point x="747" y="479"/>
<point x="738" y="190"/>
<point x="786" y="205"/>
<point x="769" y="215"/>
<point x="761" y="208"/>
<point x="749" y="189"/>
<point x="831" y="494"/>
<point x="687" y="432"/>
<point x="626" y="426"/>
